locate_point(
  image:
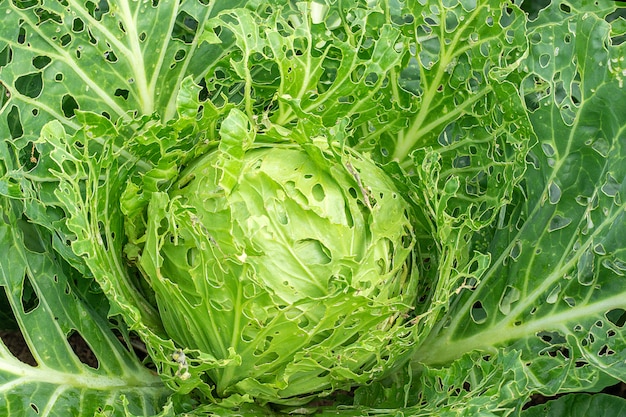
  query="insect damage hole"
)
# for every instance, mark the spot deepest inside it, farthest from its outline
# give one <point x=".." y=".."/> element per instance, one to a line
<point x="30" y="85"/>
<point x="617" y="316"/>
<point x="11" y="336"/>
<point x="29" y="298"/>
<point x="478" y="313"/>
<point x="14" y="123"/>
<point x="41" y="61"/>
<point x="82" y="350"/>
<point x="69" y="105"/>
<point x="121" y="92"/>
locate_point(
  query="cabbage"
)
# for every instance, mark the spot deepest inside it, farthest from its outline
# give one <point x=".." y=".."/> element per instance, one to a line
<point x="295" y="267"/>
<point x="141" y="220"/>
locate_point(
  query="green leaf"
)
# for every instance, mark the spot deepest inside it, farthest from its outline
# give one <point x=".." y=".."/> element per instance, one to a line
<point x="296" y="65"/>
<point x="579" y="405"/>
<point x="555" y="289"/>
<point x="117" y="58"/>
<point x="505" y="129"/>
<point x="44" y="301"/>
<point x="459" y="53"/>
<point x="236" y="138"/>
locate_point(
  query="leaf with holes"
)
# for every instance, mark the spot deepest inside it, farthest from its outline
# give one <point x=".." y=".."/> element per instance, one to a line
<point x="579" y="405"/>
<point x="113" y="58"/>
<point x="44" y="301"/>
<point x="337" y="207"/>
<point x="555" y="289"/>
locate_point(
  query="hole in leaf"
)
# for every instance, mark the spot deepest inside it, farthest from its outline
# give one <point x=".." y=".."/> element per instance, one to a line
<point x="223" y="304"/>
<point x="41" y="61"/>
<point x="45" y="15"/>
<point x="553" y="296"/>
<point x="478" y="313"/>
<point x="110" y="56"/>
<point x="617" y="316"/>
<point x="180" y="55"/>
<point x="7" y="318"/>
<point x="516" y="250"/>
<point x="78" y="25"/>
<point x="25" y="4"/>
<point x="606" y="351"/>
<point x="303" y="322"/>
<point x="5" y="95"/>
<point x="6" y="55"/>
<point x="29" y="298"/>
<point x="192" y="255"/>
<point x="249" y="333"/>
<point x="349" y="218"/>
<point x="554" y="193"/>
<point x="586" y="268"/>
<point x="407" y="239"/>
<point x="371" y="79"/>
<point x="14" y="340"/>
<point x="69" y="105"/>
<point x="185" y="27"/>
<point x="97" y="9"/>
<point x="92" y="39"/>
<point x="266" y="358"/>
<point x="15" y="123"/>
<point x="32" y="240"/>
<point x="30" y="85"/>
<point x="558" y="222"/>
<point x="510" y="296"/>
<point x="548" y="149"/>
<point x="281" y="214"/>
<point x="21" y="36"/>
<point x="65" y="39"/>
<point x="82" y="350"/>
<point x="461" y="161"/>
<point x="121" y="93"/>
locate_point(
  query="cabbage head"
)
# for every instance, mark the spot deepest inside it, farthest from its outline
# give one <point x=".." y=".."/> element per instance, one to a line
<point x="291" y="265"/>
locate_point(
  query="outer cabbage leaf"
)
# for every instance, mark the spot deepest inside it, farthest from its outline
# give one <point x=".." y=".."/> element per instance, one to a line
<point x="50" y="309"/>
<point x="555" y="289"/>
<point x="575" y="405"/>
<point x="116" y="58"/>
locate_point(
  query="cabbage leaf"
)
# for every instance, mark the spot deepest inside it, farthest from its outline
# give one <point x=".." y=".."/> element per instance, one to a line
<point x="501" y="123"/>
